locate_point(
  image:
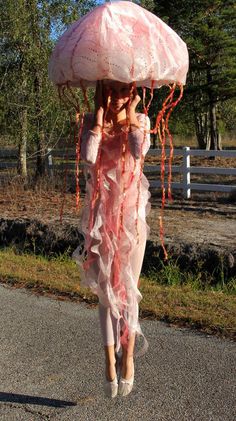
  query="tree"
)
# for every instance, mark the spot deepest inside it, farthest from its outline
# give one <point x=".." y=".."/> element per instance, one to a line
<point x="208" y="27"/>
<point x="29" y="104"/>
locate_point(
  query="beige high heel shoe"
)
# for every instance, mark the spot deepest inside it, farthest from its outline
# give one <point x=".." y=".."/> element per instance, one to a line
<point x="125" y="386"/>
<point x="111" y="388"/>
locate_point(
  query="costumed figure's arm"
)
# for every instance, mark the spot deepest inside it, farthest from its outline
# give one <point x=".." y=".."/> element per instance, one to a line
<point x="90" y="141"/>
<point x="139" y="136"/>
<point x="92" y="130"/>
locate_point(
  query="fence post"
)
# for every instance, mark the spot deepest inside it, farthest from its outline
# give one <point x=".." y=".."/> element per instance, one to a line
<point x="49" y="162"/>
<point x="186" y="172"/>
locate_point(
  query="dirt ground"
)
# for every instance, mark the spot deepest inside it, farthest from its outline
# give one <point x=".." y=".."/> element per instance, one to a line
<point x="197" y="222"/>
<point x="206" y="218"/>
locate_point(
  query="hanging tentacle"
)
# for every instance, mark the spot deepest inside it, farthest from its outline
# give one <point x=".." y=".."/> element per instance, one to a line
<point x="77" y="140"/>
<point x="162" y="126"/>
<point x="86" y="101"/>
<point x="67" y="97"/>
<point x="161" y="134"/>
<point x="145" y="110"/>
<point x="96" y="191"/>
<point x="151" y="96"/>
<point x="162" y="112"/>
<point x="170" y="137"/>
<point x="66" y="171"/>
<point x="69" y="100"/>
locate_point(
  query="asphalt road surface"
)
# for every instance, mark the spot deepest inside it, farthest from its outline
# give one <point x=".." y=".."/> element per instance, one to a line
<point x="52" y="367"/>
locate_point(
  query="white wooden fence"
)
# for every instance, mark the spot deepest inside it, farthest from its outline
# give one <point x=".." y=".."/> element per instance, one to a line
<point x="184" y="169"/>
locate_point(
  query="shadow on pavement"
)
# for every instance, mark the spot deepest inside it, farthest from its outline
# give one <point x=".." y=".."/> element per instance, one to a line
<point x="34" y="400"/>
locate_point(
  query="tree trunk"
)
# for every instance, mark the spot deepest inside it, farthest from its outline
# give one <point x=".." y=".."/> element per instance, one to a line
<point x="219" y="141"/>
<point x="201" y="128"/>
<point x="212" y="114"/>
<point x="21" y="165"/>
<point x="40" y="136"/>
<point x="213" y="127"/>
<point x="41" y="154"/>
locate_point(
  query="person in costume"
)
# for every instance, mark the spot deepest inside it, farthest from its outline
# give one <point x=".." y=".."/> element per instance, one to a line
<point x="115" y="139"/>
<point x="110" y="47"/>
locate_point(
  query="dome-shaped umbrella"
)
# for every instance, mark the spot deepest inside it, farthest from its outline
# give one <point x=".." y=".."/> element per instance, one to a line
<point x="119" y="41"/>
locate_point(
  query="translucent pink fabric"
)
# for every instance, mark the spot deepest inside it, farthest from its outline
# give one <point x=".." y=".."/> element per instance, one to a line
<point x="119" y="41"/>
<point x="111" y="261"/>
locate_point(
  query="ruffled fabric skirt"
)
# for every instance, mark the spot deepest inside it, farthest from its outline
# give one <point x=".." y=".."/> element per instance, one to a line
<point x="111" y="258"/>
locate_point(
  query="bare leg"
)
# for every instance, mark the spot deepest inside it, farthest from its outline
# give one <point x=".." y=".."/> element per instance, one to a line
<point x="127" y="358"/>
<point x="107" y="330"/>
<point x="110" y="362"/>
<point x="136" y="261"/>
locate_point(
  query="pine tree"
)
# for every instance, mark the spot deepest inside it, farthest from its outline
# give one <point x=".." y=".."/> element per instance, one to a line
<point x="209" y="29"/>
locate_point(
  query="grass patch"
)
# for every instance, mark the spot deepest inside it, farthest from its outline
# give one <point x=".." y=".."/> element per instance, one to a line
<point x="199" y="279"/>
<point x="57" y="275"/>
<point x="209" y="310"/>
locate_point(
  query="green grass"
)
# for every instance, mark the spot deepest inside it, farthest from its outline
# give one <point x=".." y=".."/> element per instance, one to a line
<point x="165" y="295"/>
<point x="170" y="274"/>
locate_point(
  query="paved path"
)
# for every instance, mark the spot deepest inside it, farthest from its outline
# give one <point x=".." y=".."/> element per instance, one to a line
<point x="51" y="368"/>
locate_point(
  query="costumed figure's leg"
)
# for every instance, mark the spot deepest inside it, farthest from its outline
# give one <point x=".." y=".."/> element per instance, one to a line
<point x="136" y="261"/>
<point x="108" y="325"/>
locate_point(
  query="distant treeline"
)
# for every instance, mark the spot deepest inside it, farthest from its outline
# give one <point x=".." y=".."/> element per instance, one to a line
<point x="31" y="116"/>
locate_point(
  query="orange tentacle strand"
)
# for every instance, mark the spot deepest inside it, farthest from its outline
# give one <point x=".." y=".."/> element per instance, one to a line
<point x="124" y="148"/>
<point x="67" y="97"/>
<point x="96" y="192"/>
<point x="145" y="109"/>
<point x="170" y="137"/>
<point x="151" y="96"/>
<point x="86" y="101"/>
<point x="65" y="173"/>
<point x="162" y="128"/>
<point x="77" y="140"/>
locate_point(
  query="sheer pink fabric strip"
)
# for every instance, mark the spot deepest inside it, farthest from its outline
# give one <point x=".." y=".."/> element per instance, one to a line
<point x="111" y="261"/>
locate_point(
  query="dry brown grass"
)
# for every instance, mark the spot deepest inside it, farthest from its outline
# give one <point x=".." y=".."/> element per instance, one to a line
<point x="20" y="199"/>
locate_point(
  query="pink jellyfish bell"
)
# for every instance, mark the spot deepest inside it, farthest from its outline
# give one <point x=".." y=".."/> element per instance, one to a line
<point x="124" y="42"/>
<point x="119" y="41"/>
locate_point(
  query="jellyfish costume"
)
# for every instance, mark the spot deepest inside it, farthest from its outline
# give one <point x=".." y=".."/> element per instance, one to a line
<point x="118" y="41"/>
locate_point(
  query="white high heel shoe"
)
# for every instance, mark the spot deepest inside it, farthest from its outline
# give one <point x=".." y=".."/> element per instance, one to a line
<point x="125" y="386"/>
<point x="111" y="388"/>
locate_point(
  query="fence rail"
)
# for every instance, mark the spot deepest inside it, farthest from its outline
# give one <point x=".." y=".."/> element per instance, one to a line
<point x="184" y="169"/>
